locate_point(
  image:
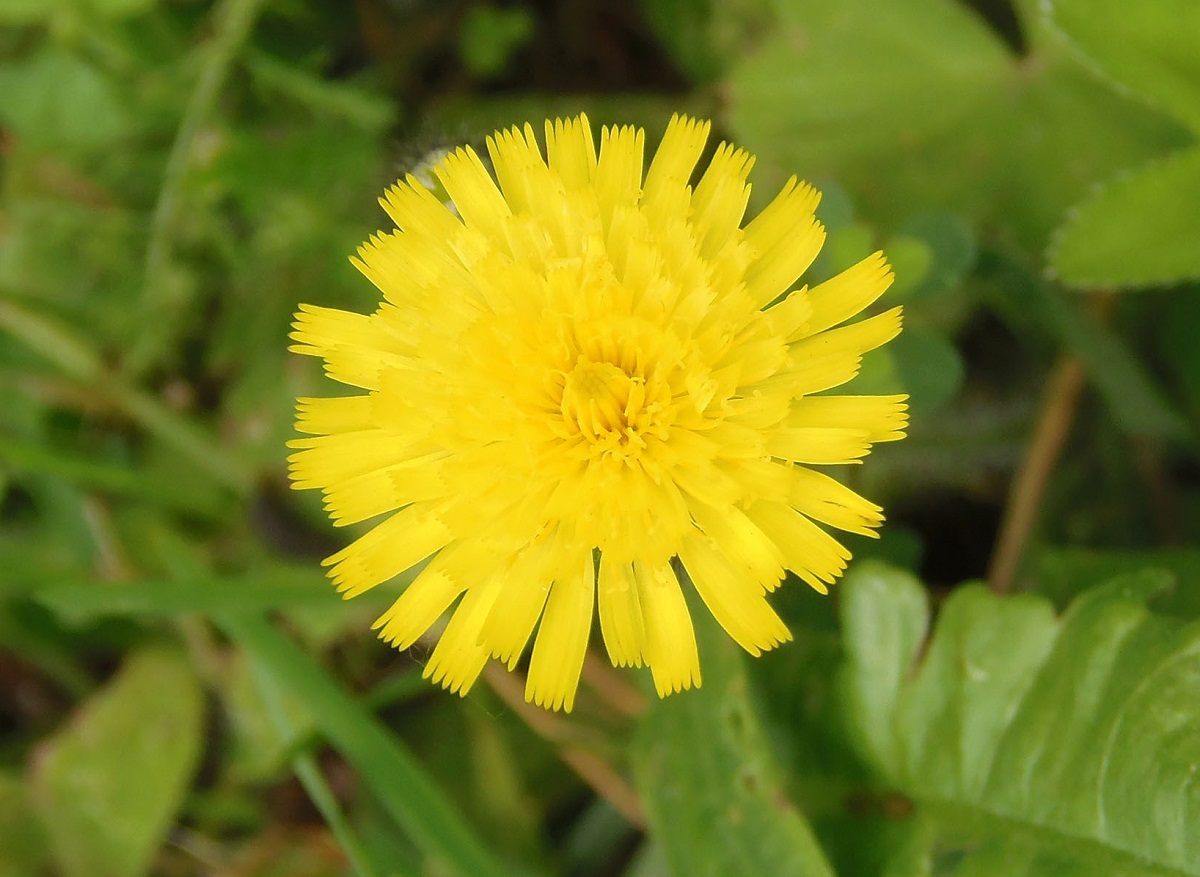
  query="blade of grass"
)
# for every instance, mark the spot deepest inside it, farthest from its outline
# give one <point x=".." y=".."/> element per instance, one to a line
<point x="384" y="764"/>
<point x="1134" y="397"/>
<point x="304" y="765"/>
<point x="210" y="594"/>
<point x="75" y="357"/>
<point x="103" y="476"/>
<point x="232" y="22"/>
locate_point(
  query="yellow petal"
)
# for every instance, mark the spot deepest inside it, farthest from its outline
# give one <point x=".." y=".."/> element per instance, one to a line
<point x="792" y="208"/>
<point x="829" y="501"/>
<point x="401" y="541"/>
<point x="384" y="490"/>
<point x="817" y="445"/>
<point x="353" y="346"/>
<point x="561" y="643"/>
<point x="810" y="373"/>
<point x="618" y="179"/>
<point x="670" y="637"/>
<point x="330" y="459"/>
<point x="733" y="596"/>
<point x="883" y="418"/>
<point x="811" y="553"/>
<point x="339" y="414"/>
<point x="621" y="621"/>
<point x="571" y="151"/>
<point x="665" y="194"/>
<point x="413" y="207"/>
<point x="789" y="317"/>
<point x="524" y="178"/>
<point x="774" y="271"/>
<point x="742" y="542"/>
<point x="525" y="585"/>
<point x="458" y="658"/>
<point x="473" y="191"/>
<point x="427" y="598"/>
<point x="720" y="198"/>
<point x="846" y="294"/>
<point x="853" y="340"/>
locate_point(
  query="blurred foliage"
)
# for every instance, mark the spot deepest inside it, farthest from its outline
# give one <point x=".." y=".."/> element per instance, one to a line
<point x="182" y="693"/>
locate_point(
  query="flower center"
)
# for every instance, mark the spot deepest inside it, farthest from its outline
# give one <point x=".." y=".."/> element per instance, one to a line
<point x="609" y="410"/>
<point x="598" y="398"/>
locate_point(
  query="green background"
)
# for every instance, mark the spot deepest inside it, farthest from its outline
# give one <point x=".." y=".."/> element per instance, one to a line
<point x="1006" y="683"/>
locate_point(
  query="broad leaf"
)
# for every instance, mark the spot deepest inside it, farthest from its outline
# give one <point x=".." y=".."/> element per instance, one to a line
<point x="21" y="836"/>
<point x="1139" y="230"/>
<point x="1032" y="744"/>
<point x="1150" y="46"/>
<point x="108" y="784"/>
<point x="1065" y="573"/>
<point x="54" y="98"/>
<point x="919" y="103"/>
<point x="709" y="782"/>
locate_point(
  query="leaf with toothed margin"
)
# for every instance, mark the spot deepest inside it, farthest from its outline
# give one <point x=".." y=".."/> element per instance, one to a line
<point x="922" y="103"/>
<point x="1139" y="230"/>
<point x="1151" y="46"/>
<point x="1030" y="744"/>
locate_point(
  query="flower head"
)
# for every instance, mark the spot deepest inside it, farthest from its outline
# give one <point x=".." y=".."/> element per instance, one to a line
<point x="589" y="384"/>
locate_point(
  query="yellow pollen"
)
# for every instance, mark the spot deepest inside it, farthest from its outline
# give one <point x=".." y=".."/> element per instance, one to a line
<point x="599" y="399"/>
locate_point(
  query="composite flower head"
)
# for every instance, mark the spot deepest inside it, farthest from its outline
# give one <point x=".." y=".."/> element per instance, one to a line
<point x="590" y="386"/>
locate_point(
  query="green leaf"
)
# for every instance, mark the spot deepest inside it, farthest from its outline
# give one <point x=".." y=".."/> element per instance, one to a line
<point x="279" y="588"/>
<point x="840" y="69"/>
<point x="1065" y="573"/>
<point x="384" y="764"/>
<point x="887" y="97"/>
<point x="490" y="36"/>
<point x="21" y="835"/>
<point x="885" y="613"/>
<point x="1139" y="230"/>
<point x="1033" y="744"/>
<point x="73" y="353"/>
<point x="120" y="8"/>
<point x="1149" y="46"/>
<point x="952" y="245"/>
<point x="107" y="785"/>
<point x="929" y="366"/>
<point x="19" y="12"/>
<point x="920" y="362"/>
<point x="364" y="109"/>
<point x="54" y="98"/>
<point x="709" y="781"/>
<point x="119" y="480"/>
<point x="703" y="36"/>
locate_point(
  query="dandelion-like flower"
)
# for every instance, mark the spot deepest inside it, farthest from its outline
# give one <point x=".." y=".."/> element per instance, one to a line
<point x="588" y="386"/>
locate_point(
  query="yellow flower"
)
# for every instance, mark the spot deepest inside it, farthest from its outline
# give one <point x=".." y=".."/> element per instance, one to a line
<point x="589" y="385"/>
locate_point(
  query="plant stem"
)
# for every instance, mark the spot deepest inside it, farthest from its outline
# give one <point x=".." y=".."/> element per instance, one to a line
<point x="1059" y="404"/>
<point x="589" y="766"/>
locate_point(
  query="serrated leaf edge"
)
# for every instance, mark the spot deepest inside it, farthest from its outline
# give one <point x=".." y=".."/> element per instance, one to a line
<point x="1094" y="194"/>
